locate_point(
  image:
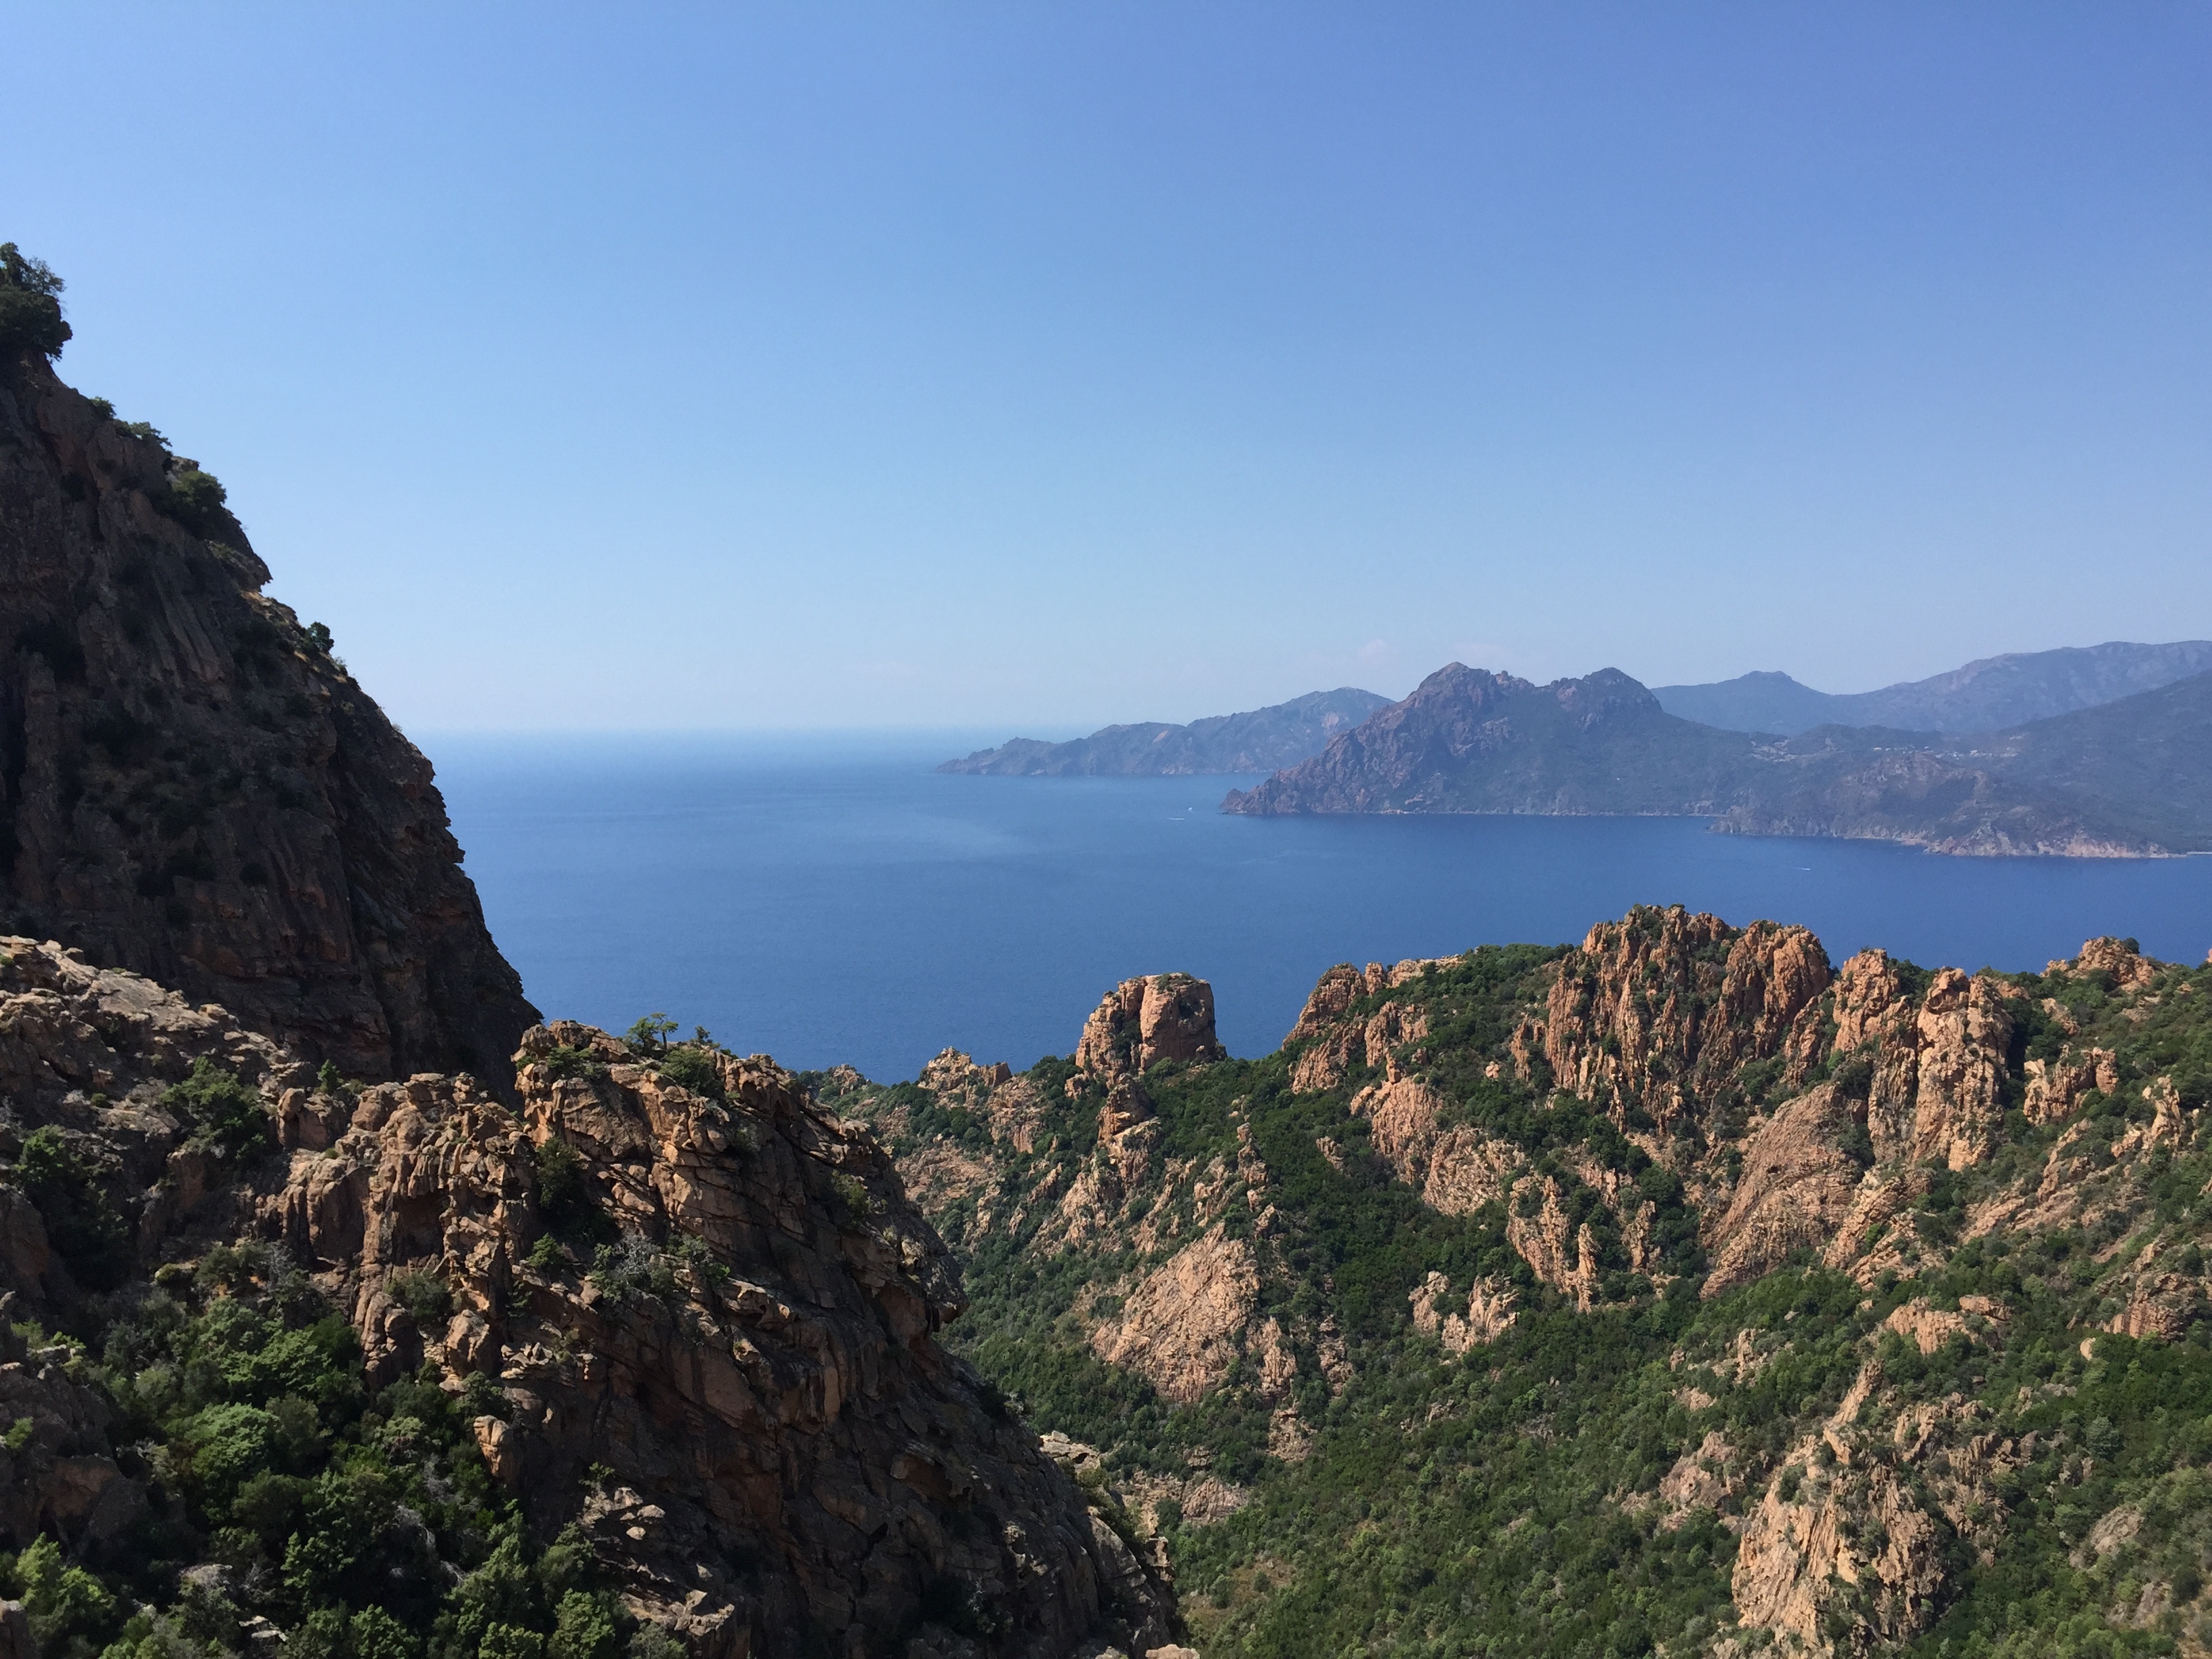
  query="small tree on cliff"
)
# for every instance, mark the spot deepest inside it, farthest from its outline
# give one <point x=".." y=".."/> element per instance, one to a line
<point x="30" y="304"/>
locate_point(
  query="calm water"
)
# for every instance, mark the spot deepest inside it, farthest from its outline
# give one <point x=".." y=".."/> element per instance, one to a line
<point x="843" y="903"/>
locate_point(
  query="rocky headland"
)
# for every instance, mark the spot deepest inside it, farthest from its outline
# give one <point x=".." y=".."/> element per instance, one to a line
<point x="2125" y="778"/>
<point x="1263" y="740"/>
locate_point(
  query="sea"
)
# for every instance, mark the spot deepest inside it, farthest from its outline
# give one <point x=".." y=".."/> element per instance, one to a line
<point x="833" y="899"/>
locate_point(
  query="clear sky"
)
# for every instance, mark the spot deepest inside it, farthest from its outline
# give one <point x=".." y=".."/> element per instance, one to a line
<point x="1038" y="366"/>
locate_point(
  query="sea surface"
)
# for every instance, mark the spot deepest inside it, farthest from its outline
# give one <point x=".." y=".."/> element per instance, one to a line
<point x="828" y="900"/>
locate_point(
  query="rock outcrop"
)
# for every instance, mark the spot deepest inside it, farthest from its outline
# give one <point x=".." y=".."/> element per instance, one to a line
<point x="1140" y="1023"/>
<point x="728" y="1377"/>
<point x="192" y="787"/>
<point x="752" y="1356"/>
<point x="1659" y="1013"/>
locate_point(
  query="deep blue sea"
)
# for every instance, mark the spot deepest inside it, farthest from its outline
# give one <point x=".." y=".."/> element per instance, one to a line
<point x="829" y="900"/>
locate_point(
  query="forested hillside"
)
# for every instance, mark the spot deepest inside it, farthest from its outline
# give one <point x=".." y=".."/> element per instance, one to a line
<point x="1678" y="1292"/>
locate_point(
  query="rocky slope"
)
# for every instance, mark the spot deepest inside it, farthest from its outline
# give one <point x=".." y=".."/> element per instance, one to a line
<point x="1985" y="695"/>
<point x="192" y="786"/>
<point x="2127" y="778"/>
<point x="1679" y="1288"/>
<point x="690" y="1327"/>
<point x="1263" y="740"/>
<point x="635" y="1350"/>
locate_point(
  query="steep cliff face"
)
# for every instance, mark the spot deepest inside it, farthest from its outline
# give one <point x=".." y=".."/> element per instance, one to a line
<point x="193" y="788"/>
<point x="696" y="1322"/>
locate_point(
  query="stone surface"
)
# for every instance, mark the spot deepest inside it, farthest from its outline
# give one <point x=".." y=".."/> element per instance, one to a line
<point x="1143" y="1022"/>
<point x="757" y="1355"/>
<point x="748" y="1369"/>
<point x="194" y="791"/>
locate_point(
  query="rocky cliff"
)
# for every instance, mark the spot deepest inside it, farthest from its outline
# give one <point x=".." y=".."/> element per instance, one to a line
<point x="688" y="1327"/>
<point x="193" y="788"/>
<point x="1261" y="740"/>
<point x="2126" y="778"/>
<point x="1803" y="1296"/>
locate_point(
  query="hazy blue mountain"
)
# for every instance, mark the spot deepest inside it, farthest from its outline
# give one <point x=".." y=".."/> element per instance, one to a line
<point x="1988" y="696"/>
<point x="2130" y="776"/>
<point x="1263" y="740"/>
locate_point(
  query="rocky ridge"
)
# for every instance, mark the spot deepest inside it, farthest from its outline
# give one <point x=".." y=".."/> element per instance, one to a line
<point x="1674" y="1107"/>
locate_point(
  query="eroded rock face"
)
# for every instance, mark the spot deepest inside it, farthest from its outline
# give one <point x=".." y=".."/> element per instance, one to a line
<point x="1180" y="1329"/>
<point x="1143" y="1022"/>
<point x="1660" y="1011"/>
<point x="1797" y="1189"/>
<point x="197" y="792"/>
<point x="752" y="1358"/>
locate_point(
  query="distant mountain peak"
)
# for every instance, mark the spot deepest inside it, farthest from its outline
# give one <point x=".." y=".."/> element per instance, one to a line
<point x="1987" y="695"/>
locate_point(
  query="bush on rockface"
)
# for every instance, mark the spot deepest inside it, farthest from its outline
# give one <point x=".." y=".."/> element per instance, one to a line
<point x="694" y="1069"/>
<point x="30" y="306"/>
<point x="82" y="1221"/>
<point x="226" y="1115"/>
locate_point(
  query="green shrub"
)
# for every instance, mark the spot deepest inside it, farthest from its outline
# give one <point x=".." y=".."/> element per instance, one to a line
<point x="562" y="1060"/>
<point x="82" y="1221"/>
<point x="197" y="501"/>
<point x="694" y="1069"/>
<point x="564" y="1192"/>
<point x="583" y="1628"/>
<point x="424" y="1295"/>
<point x="225" y="1114"/>
<point x="72" y="1614"/>
<point x="30" y="306"/>
<point x="853" y="1195"/>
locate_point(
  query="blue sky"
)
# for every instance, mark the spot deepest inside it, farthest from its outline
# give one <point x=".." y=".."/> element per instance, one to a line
<point x="1040" y="366"/>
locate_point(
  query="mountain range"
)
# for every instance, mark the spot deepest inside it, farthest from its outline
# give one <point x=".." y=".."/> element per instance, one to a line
<point x="1263" y="740"/>
<point x="1987" y="696"/>
<point x="2128" y="777"/>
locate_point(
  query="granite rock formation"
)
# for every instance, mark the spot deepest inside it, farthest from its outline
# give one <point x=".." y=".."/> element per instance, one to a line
<point x="193" y="788"/>
<point x="736" y="1394"/>
<point x="1676" y="1113"/>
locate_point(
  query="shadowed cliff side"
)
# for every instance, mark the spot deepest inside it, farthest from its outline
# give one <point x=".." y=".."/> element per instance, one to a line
<point x="192" y="786"/>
